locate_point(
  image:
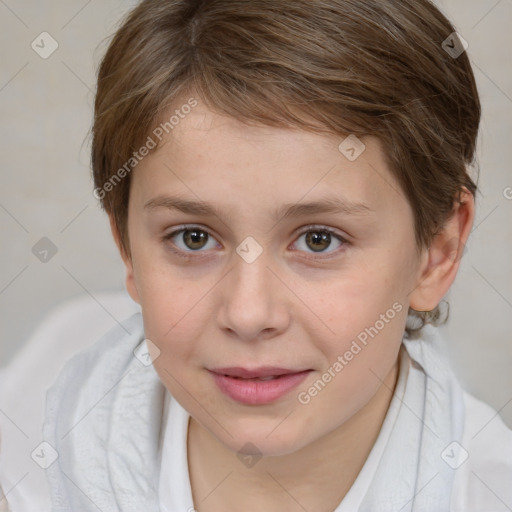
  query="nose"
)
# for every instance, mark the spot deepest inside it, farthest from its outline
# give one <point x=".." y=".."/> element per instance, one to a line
<point x="255" y="305"/>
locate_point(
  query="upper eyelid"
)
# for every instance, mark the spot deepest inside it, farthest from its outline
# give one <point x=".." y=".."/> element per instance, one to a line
<point x="187" y="227"/>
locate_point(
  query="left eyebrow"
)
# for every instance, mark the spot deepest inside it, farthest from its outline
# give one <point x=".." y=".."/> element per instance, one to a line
<point x="339" y="205"/>
<point x="335" y="204"/>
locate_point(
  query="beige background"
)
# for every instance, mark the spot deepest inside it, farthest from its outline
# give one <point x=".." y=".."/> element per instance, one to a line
<point x="46" y="190"/>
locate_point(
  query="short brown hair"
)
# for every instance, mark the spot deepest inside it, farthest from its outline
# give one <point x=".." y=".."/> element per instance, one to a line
<point x="372" y="67"/>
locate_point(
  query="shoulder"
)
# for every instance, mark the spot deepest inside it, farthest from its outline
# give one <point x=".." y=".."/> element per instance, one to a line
<point x="75" y="328"/>
<point x="98" y="389"/>
<point x="89" y="373"/>
<point x="483" y="481"/>
<point x="480" y="450"/>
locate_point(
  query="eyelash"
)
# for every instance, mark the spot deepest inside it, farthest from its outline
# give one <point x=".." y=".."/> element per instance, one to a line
<point x="315" y="228"/>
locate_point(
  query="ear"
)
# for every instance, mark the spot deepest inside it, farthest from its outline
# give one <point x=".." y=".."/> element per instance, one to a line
<point x="440" y="262"/>
<point x="127" y="260"/>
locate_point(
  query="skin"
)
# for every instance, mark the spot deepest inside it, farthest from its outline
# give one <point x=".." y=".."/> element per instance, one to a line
<point x="292" y="307"/>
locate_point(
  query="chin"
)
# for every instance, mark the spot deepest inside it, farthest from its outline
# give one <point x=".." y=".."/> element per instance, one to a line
<point x="263" y="438"/>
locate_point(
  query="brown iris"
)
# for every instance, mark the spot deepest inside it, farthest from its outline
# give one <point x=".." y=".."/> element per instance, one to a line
<point x="195" y="238"/>
<point x="318" y="240"/>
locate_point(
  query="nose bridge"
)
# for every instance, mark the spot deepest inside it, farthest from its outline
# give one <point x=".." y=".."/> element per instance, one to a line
<point x="250" y="279"/>
<point x="253" y="300"/>
<point x="251" y="262"/>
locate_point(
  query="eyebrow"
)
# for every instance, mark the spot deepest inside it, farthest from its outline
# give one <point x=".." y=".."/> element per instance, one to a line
<point x="337" y="205"/>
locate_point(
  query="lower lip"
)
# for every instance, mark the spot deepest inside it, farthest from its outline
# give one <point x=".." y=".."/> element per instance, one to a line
<point x="252" y="392"/>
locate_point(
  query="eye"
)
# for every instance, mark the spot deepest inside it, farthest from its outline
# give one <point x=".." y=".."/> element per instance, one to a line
<point x="319" y="238"/>
<point x="189" y="239"/>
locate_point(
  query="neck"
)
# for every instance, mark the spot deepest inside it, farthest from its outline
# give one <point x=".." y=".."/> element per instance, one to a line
<point x="316" y="477"/>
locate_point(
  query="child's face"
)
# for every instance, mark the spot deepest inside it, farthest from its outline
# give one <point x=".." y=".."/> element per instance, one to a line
<point x="289" y="307"/>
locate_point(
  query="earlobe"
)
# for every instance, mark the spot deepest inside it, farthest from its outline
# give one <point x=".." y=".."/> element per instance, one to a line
<point x="441" y="261"/>
<point x="127" y="260"/>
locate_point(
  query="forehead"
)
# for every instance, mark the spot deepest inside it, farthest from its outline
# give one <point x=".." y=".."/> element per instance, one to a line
<point x="217" y="157"/>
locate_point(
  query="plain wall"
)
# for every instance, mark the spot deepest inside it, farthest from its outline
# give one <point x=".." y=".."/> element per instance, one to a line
<point x="46" y="189"/>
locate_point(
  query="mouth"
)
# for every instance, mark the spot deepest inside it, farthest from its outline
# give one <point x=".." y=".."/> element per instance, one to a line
<point x="257" y="386"/>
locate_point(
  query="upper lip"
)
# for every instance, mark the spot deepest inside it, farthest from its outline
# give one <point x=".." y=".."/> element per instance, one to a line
<point x="246" y="373"/>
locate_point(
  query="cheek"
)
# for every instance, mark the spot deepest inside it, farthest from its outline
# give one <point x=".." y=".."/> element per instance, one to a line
<point x="356" y="299"/>
<point x="173" y="315"/>
<point x="359" y="357"/>
<point x="173" y="320"/>
<point x="170" y="308"/>
<point x="365" y="311"/>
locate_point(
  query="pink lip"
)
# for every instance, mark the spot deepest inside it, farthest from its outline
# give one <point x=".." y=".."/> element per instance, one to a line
<point x="233" y="382"/>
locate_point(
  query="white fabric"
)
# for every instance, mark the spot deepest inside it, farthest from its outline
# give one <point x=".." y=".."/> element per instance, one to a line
<point x="484" y="481"/>
<point x="71" y="327"/>
<point x="174" y="482"/>
<point x="106" y="409"/>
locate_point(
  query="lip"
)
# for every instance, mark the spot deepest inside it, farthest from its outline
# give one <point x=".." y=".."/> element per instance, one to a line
<point x="233" y="382"/>
<point x="254" y="373"/>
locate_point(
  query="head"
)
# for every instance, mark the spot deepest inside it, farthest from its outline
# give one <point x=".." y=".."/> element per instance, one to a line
<point x="250" y="108"/>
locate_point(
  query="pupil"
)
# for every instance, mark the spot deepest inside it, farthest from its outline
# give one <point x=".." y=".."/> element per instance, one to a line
<point x="319" y="240"/>
<point x="193" y="237"/>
